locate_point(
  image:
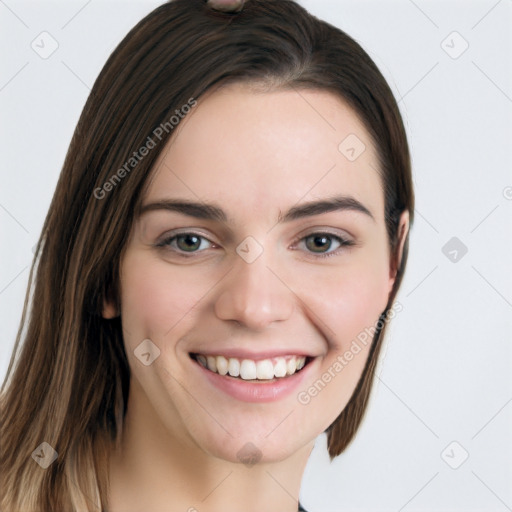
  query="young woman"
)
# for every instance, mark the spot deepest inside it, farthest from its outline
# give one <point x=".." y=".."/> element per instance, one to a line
<point x="216" y="270"/>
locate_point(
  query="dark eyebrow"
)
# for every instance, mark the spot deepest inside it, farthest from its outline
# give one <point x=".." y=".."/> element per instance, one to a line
<point x="192" y="209"/>
<point x="325" y="206"/>
<point x="212" y="212"/>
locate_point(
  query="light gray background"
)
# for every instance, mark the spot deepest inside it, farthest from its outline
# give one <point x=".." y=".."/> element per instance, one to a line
<point x="446" y="374"/>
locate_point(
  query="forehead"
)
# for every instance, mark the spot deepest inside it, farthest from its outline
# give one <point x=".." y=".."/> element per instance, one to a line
<point x="259" y="152"/>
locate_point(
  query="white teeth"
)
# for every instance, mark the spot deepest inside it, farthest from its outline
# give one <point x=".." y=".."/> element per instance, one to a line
<point x="234" y="367"/>
<point x="264" y="370"/>
<point x="212" y="365"/>
<point x="222" y="365"/>
<point x="291" y="366"/>
<point x="247" y="369"/>
<point x="280" y="367"/>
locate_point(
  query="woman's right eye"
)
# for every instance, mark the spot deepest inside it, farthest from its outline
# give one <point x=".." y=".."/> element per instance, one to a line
<point x="186" y="243"/>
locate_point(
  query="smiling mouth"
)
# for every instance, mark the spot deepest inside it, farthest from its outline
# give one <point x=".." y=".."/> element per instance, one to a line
<point x="266" y="370"/>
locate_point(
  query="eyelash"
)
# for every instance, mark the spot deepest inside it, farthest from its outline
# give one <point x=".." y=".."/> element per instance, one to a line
<point x="343" y="242"/>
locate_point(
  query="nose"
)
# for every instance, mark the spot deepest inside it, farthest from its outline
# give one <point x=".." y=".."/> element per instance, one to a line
<point x="254" y="296"/>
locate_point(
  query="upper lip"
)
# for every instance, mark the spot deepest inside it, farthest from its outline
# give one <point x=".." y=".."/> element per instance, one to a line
<point x="239" y="353"/>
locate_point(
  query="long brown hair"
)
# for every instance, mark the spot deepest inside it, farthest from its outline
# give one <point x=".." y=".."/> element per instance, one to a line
<point x="68" y="378"/>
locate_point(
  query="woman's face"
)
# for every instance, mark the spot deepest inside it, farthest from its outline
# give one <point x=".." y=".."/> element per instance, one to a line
<point x="262" y="241"/>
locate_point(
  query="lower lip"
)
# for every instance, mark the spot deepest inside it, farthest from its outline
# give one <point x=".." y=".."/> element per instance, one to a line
<point x="247" y="391"/>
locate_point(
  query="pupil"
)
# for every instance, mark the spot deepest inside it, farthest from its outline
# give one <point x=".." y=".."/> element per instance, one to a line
<point x="188" y="243"/>
<point x="318" y="243"/>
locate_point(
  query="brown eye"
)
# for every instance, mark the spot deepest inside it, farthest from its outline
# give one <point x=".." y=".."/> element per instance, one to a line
<point x="324" y="244"/>
<point x="319" y="243"/>
<point x="188" y="242"/>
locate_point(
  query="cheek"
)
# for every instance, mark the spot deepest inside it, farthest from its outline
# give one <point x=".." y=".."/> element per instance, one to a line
<point x="156" y="299"/>
<point x="347" y="306"/>
<point x="347" y="301"/>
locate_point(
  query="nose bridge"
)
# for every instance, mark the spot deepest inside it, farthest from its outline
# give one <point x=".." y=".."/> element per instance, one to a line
<point x="253" y="296"/>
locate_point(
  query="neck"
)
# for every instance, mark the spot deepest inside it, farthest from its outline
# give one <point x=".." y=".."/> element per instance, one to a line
<point x="155" y="469"/>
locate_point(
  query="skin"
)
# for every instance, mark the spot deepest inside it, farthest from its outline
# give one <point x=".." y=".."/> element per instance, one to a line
<point x="261" y="153"/>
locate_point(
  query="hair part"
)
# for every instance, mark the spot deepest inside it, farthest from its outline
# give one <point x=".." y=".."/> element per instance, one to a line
<point x="68" y="379"/>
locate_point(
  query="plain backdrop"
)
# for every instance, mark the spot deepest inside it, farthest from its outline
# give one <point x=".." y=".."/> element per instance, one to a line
<point x="437" y="436"/>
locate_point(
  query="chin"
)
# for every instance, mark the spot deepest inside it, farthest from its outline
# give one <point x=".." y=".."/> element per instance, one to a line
<point x="248" y="445"/>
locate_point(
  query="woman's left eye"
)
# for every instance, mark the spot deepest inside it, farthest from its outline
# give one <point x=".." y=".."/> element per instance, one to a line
<point x="323" y="244"/>
<point x="186" y="243"/>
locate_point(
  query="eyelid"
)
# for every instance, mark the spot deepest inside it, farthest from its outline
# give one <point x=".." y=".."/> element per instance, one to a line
<point x="184" y="231"/>
<point x="345" y="242"/>
<point x="163" y="241"/>
<point x="342" y="235"/>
